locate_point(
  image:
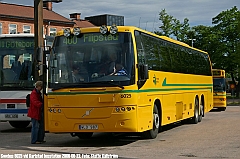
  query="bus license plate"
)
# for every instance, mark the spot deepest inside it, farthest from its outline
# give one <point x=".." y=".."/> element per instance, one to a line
<point x="88" y="127"/>
<point x="11" y="115"/>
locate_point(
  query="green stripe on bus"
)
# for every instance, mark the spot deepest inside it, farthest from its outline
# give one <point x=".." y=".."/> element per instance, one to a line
<point x="129" y="91"/>
<point x="175" y="84"/>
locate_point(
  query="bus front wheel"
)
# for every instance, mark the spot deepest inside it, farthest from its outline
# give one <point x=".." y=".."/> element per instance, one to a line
<point x="19" y="124"/>
<point x="222" y="109"/>
<point x="84" y="135"/>
<point x="151" y="134"/>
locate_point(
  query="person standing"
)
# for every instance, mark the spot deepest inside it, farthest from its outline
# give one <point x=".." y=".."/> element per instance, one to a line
<point x="35" y="112"/>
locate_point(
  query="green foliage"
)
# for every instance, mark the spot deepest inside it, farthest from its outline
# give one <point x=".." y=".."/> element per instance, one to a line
<point x="226" y="26"/>
<point x="221" y="41"/>
<point x="167" y="27"/>
<point x="171" y="27"/>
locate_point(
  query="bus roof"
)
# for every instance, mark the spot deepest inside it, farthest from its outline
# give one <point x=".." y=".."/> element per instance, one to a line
<point x="132" y="28"/>
<point x="215" y="69"/>
<point x="218" y="72"/>
<point x="23" y="35"/>
<point x="16" y="35"/>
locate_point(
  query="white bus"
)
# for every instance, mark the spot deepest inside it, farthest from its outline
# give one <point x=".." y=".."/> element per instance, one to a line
<point x="16" y="77"/>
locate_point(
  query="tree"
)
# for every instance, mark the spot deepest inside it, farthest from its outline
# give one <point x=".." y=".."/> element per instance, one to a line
<point x="221" y="41"/>
<point x="172" y="27"/>
<point x="166" y="28"/>
<point x="226" y="24"/>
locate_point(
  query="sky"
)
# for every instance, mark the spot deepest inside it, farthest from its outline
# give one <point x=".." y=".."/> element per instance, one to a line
<point x="143" y="13"/>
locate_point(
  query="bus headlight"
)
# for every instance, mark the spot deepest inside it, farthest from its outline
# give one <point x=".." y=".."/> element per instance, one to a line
<point x="113" y="29"/>
<point x="67" y="32"/>
<point x="76" y="31"/>
<point x="117" y="109"/>
<point x="123" y="109"/>
<point x="103" y="29"/>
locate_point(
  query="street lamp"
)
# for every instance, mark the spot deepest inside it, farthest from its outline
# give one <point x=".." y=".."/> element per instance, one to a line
<point x="56" y="1"/>
<point x="38" y="29"/>
<point x="192" y="41"/>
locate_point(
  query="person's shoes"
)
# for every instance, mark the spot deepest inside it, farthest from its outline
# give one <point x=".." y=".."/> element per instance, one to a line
<point x="37" y="142"/>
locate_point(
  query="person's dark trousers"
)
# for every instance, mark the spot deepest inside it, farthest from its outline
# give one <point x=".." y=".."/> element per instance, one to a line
<point x="41" y="132"/>
<point x="34" y="132"/>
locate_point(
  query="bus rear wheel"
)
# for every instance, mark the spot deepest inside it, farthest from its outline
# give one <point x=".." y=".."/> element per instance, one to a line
<point x="201" y="111"/>
<point x="84" y="135"/>
<point x="152" y="134"/>
<point x="19" y="124"/>
<point x="195" y="118"/>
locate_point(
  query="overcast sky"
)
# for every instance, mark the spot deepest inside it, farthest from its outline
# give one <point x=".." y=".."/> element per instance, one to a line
<point x="143" y="13"/>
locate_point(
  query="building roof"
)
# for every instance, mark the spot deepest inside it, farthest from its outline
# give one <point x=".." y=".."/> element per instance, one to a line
<point x="83" y="23"/>
<point x="27" y="12"/>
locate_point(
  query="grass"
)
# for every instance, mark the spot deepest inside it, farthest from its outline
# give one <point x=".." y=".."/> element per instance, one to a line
<point x="233" y="103"/>
<point x="229" y="96"/>
<point x="233" y="100"/>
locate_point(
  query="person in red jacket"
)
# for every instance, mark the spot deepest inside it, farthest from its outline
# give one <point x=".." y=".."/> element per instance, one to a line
<point x="35" y="112"/>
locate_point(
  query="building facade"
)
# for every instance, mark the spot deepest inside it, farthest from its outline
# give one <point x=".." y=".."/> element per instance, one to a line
<point x="16" y="19"/>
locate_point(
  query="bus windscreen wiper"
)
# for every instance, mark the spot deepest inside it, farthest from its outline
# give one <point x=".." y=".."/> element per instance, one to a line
<point x="87" y="85"/>
<point x="73" y="85"/>
<point x="111" y="83"/>
<point x="10" y="88"/>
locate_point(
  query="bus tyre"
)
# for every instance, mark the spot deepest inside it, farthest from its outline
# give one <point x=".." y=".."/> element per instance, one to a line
<point x="201" y="111"/>
<point x="222" y="109"/>
<point x="19" y="124"/>
<point x="84" y="135"/>
<point x="194" y="120"/>
<point x="152" y="134"/>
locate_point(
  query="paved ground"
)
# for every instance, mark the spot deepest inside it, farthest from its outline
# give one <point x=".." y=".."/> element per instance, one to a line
<point x="233" y="101"/>
<point x="216" y="137"/>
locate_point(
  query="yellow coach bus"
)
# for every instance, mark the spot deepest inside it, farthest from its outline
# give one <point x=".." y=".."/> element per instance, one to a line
<point x="219" y="89"/>
<point x="149" y="81"/>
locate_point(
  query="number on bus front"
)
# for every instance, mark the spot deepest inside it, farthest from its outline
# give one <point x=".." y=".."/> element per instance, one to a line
<point x="126" y="96"/>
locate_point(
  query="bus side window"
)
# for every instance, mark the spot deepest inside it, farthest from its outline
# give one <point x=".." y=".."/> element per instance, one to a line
<point x="26" y="70"/>
<point x="9" y="76"/>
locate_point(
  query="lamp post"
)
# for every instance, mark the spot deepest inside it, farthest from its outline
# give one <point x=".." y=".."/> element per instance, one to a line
<point x="56" y="1"/>
<point x="192" y="41"/>
<point x="146" y="25"/>
<point x="38" y="29"/>
<point x="38" y="32"/>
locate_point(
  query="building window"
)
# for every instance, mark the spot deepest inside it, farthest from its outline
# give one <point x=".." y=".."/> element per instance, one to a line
<point x="12" y="29"/>
<point x="26" y="29"/>
<point x="53" y="31"/>
<point x="0" y="28"/>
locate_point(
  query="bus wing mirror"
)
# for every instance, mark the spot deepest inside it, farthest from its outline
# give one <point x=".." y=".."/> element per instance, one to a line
<point x="41" y="51"/>
<point x="47" y="50"/>
<point x="54" y="63"/>
<point x="41" y="70"/>
<point x="145" y="66"/>
<point x="143" y="70"/>
<point x="39" y="54"/>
